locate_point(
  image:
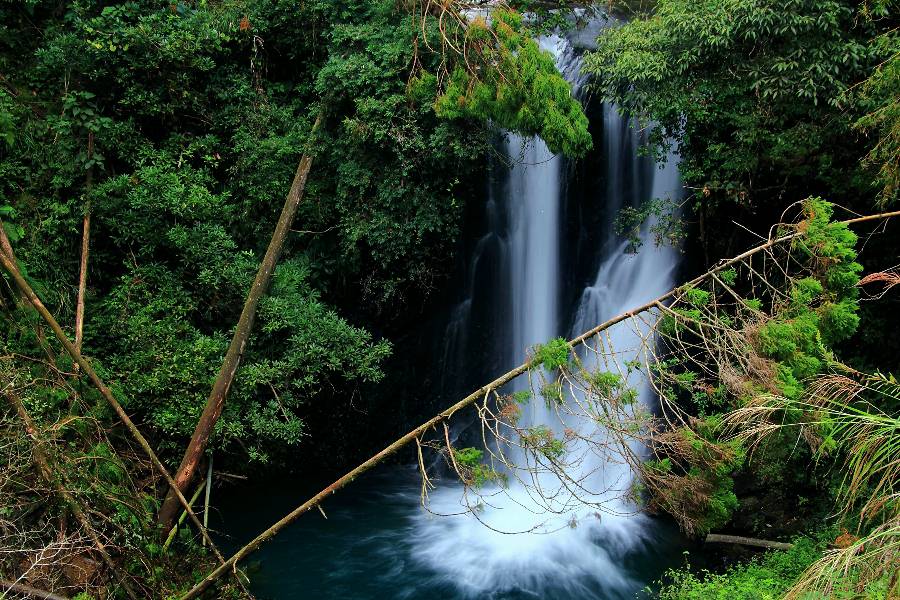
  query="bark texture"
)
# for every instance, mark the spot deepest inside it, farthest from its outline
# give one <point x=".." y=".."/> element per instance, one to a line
<point x="85" y="248"/>
<point x="717" y="538"/>
<point x="82" y="277"/>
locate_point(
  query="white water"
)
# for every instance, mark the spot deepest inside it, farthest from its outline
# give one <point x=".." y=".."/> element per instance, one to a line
<point x="478" y="555"/>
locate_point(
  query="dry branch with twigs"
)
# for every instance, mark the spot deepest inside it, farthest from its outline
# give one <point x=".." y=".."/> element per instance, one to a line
<point x="27" y="299"/>
<point x="714" y="322"/>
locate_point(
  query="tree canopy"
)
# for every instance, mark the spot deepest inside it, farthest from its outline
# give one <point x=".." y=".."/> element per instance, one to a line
<point x="767" y="101"/>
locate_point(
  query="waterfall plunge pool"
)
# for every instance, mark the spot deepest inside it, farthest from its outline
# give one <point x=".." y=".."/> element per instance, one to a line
<point x="372" y="546"/>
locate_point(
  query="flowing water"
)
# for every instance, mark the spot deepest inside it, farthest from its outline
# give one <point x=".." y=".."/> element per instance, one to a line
<point x="378" y="542"/>
<point x="576" y="552"/>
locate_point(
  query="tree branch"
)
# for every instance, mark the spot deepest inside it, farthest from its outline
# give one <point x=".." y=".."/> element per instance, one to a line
<point x="27" y="590"/>
<point x="413" y="435"/>
<point x="86" y="367"/>
<point x="42" y="462"/>
<point x="717" y="538"/>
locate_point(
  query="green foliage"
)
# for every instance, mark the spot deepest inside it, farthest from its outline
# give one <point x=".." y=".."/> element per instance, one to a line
<point x="770" y="576"/>
<point x="663" y="465"/>
<point x="728" y="276"/>
<point x="398" y="175"/>
<point x="468" y="457"/>
<point x="789" y="340"/>
<point x="511" y="81"/>
<point x="607" y="385"/>
<point x="474" y="472"/>
<point x="720" y="505"/>
<point x="821" y="309"/>
<point x="541" y="439"/>
<point x="552" y="392"/>
<point x="832" y="245"/>
<point x="101" y="473"/>
<point x="664" y="220"/>
<point x="766" y="578"/>
<point x="605" y="382"/>
<point x="682" y="320"/>
<point x="759" y="95"/>
<point x="695" y="296"/>
<point x="878" y="101"/>
<point x="182" y="126"/>
<point x="552" y="355"/>
<point x="522" y="397"/>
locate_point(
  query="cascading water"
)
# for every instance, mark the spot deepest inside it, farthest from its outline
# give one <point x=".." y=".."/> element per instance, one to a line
<point x="520" y="289"/>
<point x="574" y="552"/>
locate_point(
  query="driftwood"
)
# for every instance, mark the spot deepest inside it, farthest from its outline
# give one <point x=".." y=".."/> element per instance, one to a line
<point x="415" y="434"/>
<point x="718" y="538"/>
<point x="216" y="401"/>
<point x="27" y="590"/>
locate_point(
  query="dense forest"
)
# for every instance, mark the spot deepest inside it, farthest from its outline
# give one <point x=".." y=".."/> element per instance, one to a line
<point x="231" y="228"/>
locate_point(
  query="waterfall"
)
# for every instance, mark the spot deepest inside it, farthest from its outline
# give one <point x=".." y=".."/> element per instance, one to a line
<point x="476" y="554"/>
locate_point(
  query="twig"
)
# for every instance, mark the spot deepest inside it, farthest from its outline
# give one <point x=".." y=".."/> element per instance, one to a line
<point x="415" y="434"/>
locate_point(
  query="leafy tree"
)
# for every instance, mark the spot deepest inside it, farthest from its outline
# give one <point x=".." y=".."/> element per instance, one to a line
<point x="196" y="114"/>
<point x="758" y="95"/>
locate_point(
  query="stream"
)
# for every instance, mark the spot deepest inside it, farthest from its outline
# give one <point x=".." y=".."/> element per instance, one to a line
<point x="377" y="541"/>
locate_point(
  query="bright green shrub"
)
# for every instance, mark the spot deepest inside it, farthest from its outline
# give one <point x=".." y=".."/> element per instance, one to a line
<point x="766" y="578"/>
<point x="517" y="86"/>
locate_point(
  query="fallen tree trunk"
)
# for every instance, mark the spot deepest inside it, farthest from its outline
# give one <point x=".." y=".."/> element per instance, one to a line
<point x="393" y="448"/>
<point x="216" y="401"/>
<point x="27" y="590"/>
<point x="718" y="538"/>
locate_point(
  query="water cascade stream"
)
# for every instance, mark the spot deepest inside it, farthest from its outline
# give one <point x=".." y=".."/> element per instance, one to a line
<point x="573" y="553"/>
<point x="378" y="542"/>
